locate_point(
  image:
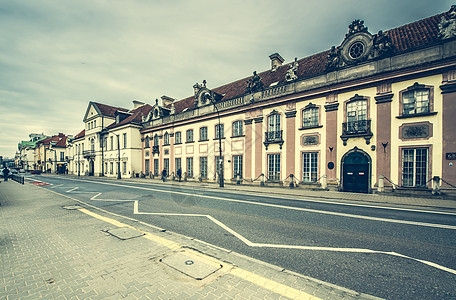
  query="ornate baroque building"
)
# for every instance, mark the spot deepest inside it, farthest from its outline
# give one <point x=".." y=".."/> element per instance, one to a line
<point x="376" y="105"/>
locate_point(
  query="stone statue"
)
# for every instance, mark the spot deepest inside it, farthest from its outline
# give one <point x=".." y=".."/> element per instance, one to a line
<point x="356" y="26"/>
<point x="333" y="58"/>
<point x="383" y="44"/>
<point x="291" y="73"/>
<point x="447" y="27"/>
<point x="254" y="84"/>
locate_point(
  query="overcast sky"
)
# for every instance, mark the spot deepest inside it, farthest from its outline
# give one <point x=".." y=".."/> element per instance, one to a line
<point x="56" y="56"/>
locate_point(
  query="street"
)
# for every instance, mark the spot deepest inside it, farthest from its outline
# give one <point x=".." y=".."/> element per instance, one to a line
<point x="386" y="251"/>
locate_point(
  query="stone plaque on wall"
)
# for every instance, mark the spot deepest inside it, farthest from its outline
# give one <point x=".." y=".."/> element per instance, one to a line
<point x="415" y="131"/>
<point x="310" y="140"/>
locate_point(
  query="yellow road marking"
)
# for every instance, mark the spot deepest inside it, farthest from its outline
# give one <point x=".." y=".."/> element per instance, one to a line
<point x="261" y="281"/>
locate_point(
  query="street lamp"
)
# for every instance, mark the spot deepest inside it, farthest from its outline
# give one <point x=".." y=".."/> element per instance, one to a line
<point x="118" y="156"/>
<point x="211" y="98"/>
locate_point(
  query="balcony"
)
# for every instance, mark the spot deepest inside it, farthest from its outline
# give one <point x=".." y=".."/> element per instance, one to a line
<point x="88" y="153"/>
<point x="273" y="137"/>
<point x="361" y="128"/>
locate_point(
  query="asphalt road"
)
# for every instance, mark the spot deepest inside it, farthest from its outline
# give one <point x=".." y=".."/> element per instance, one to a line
<point x="385" y="252"/>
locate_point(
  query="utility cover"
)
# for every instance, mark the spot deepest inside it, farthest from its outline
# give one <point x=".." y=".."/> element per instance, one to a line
<point x="192" y="264"/>
<point x="125" y="233"/>
<point x="71" y="207"/>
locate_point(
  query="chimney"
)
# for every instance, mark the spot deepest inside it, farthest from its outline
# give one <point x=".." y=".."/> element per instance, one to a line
<point x="137" y="104"/>
<point x="276" y="61"/>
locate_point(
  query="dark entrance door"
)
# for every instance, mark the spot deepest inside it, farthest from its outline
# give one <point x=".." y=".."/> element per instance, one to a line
<point x="356" y="170"/>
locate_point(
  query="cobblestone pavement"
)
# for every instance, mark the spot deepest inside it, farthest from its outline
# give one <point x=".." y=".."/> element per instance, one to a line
<point x="53" y="247"/>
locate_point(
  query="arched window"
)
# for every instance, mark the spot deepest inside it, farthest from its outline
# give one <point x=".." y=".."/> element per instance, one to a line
<point x="147" y="142"/>
<point x="166" y="138"/>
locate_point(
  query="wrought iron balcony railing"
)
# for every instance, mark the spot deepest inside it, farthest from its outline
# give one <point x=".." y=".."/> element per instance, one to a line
<point x="273" y="137"/>
<point x="88" y="153"/>
<point x="361" y="128"/>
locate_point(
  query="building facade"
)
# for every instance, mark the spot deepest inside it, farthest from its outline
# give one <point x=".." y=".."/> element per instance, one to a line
<point x="375" y="106"/>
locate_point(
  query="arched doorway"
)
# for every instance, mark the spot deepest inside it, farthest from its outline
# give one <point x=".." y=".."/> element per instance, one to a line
<point x="356" y="171"/>
<point x="91" y="167"/>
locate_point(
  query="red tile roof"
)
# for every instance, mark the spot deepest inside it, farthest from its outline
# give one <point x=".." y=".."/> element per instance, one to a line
<point x="80" y="134"/>
<point x="404" y="38"/>
<point x="108" y="110"/>
<point x="135" y="117"/>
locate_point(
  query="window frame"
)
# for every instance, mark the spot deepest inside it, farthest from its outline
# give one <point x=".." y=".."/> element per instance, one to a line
<point x="427" y="169"/>
<point x="237" y="128"/>
<point x="178" y="138"/>
<point x="203" y="136"/>
<point x="189" y="136"/>
<point x="416" y="87"/>
<point x="222" y="131"/>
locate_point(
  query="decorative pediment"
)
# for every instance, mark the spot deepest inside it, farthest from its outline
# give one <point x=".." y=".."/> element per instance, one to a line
<point x="358" y="46"/>
<point x="157" y="112"/>
<point x="205" y="96"/>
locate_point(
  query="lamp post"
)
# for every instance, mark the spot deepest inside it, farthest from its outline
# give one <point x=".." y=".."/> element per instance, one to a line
<point x="118" y="156"/>
<point x="51" y="148"/>
<point x="212" y="99"/>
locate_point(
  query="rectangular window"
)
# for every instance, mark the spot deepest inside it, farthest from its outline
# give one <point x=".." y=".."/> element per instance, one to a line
<point x="112" y="143"/>
<point x="416" y="102"/>
<point x="414" y="167"/>
<point x="203" y="166"/>
<point x="178" y="138"/>
<point x="310" y="117"/>
<point x="124" y="169"/>
<point x="189" y="136"/>
<point x="106" y="168"/>
<point x="238" y="128"/>
<point x="310" y="166"/>
<point x="203" y="134"/>
<point x="166" y="165"/>
<point x="237" y="166"/>
<point x="62" y="156"/>
<point x="147" y="166"/>
<point x="112" y="168"/>
<point x="178" y="162"/>
<point x="274" y="167"/>
<point x="125" y="140"/>
<point x="219" y="130"/>
<point x="190" y="166"/>
<point x="156" y="170"/>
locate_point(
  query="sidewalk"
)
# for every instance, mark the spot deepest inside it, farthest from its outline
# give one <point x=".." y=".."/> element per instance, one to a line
<point x="54" y="247"/>
<point x="433" y="202"/>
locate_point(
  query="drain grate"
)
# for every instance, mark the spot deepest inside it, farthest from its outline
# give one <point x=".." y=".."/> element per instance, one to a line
<point x="125" y="233"/>
<point x="192" y="264"/>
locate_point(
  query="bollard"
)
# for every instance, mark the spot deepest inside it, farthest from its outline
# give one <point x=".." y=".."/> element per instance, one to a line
<point x="436" y="185"/>
<point x="324" y="182"/>
<point x="381" y="184"/>
<point x="185" y="176"/>
<point x="292" y="181"/>
<point x="262" y="179"/>
<point x="238" y="179"/>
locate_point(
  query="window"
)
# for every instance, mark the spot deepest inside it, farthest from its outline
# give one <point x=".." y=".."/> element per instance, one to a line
<point x="219" y="131"/>
<point x="414" y="167"/>
<point x="156" y="140"/>
<point x="112" y="168"/>
<point x="147" y="142"/>
<point x="203" y="166"/>
<point x="237" y="166"/>
<point x="178" y="163"/>
<point x="190" y="166"/>
<point x="310" y="117"/>
<point x="166" y="139"/>
<point x="274" y="133"/>
<point x="106" y="168"/>
<point x="147" y="166"/>
<point x="92" y="145"/>
<point x="156" y="170"/>
<point x="309" y="166"/>
<point x="357" y="116"/>
<point x="125" y="140"/>
<point x="124" y="170"/>
<point x="203" y="134"/>
<point x="62" y="156"/>
<point x="274" y="167"/>
<point x="166" y="165"/>
<point x="178" y="137"/>
<point x="105" y="143"/>
<point x="112" y="143"/>
<point x="238" y="128"/>
<point x="415" y="102"/>
<point x="95" y="123"/>
<point x="189" y="136"/>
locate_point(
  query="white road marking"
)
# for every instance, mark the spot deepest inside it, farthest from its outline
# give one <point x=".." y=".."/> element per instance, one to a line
<point x="264" y="245"/>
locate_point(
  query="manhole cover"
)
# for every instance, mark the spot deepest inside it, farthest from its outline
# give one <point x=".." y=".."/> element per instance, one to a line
<point x="192" y="264"/>
<point x="125" y="233"/>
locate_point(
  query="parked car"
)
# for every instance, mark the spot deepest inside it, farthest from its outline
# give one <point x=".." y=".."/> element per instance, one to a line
<point x="21" y="171"/>
<point x="35" y="172"/>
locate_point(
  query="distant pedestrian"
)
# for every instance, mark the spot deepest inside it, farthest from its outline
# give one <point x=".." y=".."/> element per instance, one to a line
<point x="5" y="173"/>
<point x="179" y="174"/>
<point x="164" y="174"/>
